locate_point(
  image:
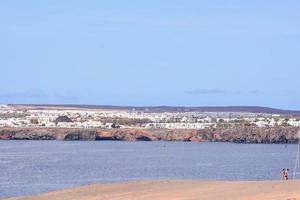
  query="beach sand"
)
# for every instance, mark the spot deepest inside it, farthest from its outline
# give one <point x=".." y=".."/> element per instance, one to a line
<point x="179" y="189"/>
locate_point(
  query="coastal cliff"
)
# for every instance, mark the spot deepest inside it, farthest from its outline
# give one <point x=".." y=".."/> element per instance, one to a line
<point x="236" y="134"/>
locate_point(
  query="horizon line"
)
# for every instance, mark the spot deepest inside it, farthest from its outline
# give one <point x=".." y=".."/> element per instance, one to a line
<point x="148" y="106"/>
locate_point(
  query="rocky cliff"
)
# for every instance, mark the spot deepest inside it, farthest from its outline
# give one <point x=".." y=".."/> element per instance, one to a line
<point x="46" y="134"/>
<point x="237" y="134"/>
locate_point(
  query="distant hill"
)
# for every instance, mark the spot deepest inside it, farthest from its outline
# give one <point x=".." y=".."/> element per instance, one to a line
<point x="247" y="109"/>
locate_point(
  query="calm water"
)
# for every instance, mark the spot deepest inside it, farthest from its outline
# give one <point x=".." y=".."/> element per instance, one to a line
<point x="32" y="167"/>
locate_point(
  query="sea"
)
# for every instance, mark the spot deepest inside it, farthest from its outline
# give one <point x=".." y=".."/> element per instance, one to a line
<point x="34" y="167"/>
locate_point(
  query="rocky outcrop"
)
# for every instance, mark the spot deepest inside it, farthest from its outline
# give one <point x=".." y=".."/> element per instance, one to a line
<point x="126" y="134"/>
<point x="256" y="135"/>
<point x="237" y="134"/>
<point x="46" y="134"/>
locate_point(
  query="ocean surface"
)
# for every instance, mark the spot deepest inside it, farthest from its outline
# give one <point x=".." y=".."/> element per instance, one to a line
<point x="33" y="167"/>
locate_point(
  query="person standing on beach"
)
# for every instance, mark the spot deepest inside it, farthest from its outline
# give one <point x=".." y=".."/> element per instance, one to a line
<point x="285" y="174"/>
<point x="282" y="174"/>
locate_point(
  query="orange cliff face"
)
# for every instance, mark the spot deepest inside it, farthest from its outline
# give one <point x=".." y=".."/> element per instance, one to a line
<point x="5" y="136"/>
<point x="235" y="134"/>
<point x="125" y="134"/>
<point x="151" y="135"/>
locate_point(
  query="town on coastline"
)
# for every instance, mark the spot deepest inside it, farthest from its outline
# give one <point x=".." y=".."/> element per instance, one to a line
<point x="26" y="116"/>
<point x="32" y="122"/>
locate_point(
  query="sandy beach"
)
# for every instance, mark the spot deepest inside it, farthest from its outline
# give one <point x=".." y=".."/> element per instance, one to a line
<point x="179" y="189"/>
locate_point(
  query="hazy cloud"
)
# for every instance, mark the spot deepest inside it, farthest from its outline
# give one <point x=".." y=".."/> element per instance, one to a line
<point x="206" y="91"/>
<point x="254" y="92"/>
<point x="64" y="96"/>
<point x="220" y="91"/>
<point x="35" y="94"/>
<point x="24" y="94"/>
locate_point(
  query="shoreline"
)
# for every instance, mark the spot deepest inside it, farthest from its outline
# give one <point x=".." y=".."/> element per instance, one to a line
<point x="178" y="190"/>
<point x="282" y="135"/>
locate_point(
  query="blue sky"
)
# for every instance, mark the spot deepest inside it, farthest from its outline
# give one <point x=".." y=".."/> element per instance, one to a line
<point x="171" y="52"/>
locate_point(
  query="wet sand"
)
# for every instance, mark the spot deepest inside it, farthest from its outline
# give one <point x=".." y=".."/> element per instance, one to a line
<point x="179" y="189"/>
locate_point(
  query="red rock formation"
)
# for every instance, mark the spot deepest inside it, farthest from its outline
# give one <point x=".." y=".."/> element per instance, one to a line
<point x="237" y="134"/>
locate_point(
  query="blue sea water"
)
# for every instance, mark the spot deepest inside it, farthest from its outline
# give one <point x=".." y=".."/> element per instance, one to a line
<point x="33" y="167"/>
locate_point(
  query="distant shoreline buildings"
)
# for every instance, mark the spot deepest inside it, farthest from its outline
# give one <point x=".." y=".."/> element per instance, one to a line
<point x="14" y="116"/>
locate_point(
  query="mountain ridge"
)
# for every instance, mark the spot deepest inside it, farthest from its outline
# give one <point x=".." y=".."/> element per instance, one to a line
<point x="245" y="109"/>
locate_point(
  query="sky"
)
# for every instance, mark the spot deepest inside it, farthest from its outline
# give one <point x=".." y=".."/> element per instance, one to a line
<point x="154" y="52"/>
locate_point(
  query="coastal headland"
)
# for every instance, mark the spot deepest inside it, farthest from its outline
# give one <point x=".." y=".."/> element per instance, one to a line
<point x="236" y="135"/>
<point x="179" y="190"/>
<point x="194" y="124"/>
